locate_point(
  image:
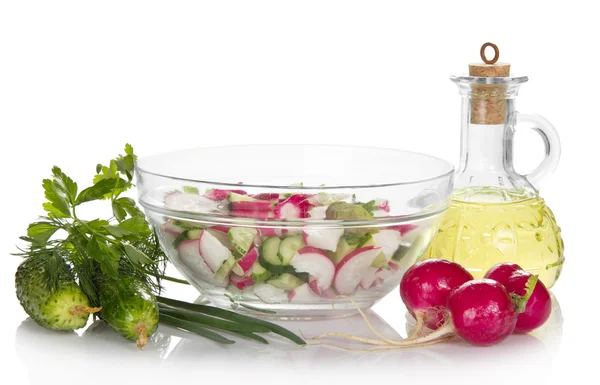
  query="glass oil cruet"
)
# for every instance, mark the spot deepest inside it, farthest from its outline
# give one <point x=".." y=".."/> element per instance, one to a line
<point x="496" y="214"/>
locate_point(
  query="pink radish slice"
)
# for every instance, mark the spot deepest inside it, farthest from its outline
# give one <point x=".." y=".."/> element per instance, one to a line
<point x="241" y="282"/>
<point x="251" y="209"/>
<point x="219" y="195"/>
<point x="369" y="277"/>
<point x="328" y="294"/>
<point x="267" y="232"/>
<point x="179" y="201"/>
<point x="212" y="251"/>
<point x="389" y="241"/>
<point x="353" y="267"/>
<point x="295" y="207"/>
<point x="303" y="294"/>
<point x="384" y="205"/>
<point x="326" y="239"/>
<point x="317" y="264"/>
<point x="393" y="266"/>
<point x="266" y="196"/>
<point x="189" y="256"/>
<point x="223" y="229"/>
<point x="246" y="262"/>
<point x="403" y="228"/>
<point x="318" y="212"/>
<point x="172" y="229"/>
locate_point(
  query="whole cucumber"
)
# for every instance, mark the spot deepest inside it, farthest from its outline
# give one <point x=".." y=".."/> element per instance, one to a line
<point x="62" y="307"/>
<point x="129" y="307"/>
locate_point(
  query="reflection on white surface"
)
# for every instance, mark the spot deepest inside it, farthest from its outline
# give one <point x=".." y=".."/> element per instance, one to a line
<point x="173" y="354"/>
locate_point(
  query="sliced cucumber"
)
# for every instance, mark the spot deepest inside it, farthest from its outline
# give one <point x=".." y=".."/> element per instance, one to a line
<point x="366" y="241"/>
<point x="194" y="234"/>
<point x="242" y="238"/>
<point x="225" y="269"/>
<point x="288" y="248"/>
<point x="380" y="260"/>
<point x="285" y="281"/>
<point x="259" y="273"/>
<point x="180" y="239"/>
<point x="187" y="225"/>
<point x="343" y="248"/>
<point x="234" y="197"/>
<point x="270" y="250"/>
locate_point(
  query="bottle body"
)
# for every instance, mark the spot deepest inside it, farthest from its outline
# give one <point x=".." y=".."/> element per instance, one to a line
<point x="496" y="215"/>
<point x="480" y="234"/>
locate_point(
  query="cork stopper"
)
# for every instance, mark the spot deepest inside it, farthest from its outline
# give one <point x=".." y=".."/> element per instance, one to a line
<point x="488" y="101"/>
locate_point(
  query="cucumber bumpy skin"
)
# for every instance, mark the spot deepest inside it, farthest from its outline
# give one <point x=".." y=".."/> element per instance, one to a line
<point x="63" y="308"/>
<point x="130" y="308"/>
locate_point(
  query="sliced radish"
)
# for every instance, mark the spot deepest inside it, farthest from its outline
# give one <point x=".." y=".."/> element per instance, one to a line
<point x="172" y="229"/>
<point x="179" y="201"/>
<point x="328" y="294"/>
<point x="241" y="282"/>
<point x="268" y="293"/>
<point x="251" y="209"/>
<point x="246" y="262"/>
<point x="273" y="197"/>
<point x="326" y="239"/>
<point x="318" y="212"/>
<point x="383" y="205"/>
<point x="368" y="278"/>
<point x="295" y="207"/>
<point x="223" y="229"/>
<point x="213" y="251"/>
<point x="389" y="241"/>
<point x="303" y="294"/>
<point x="317" y="264"/>
<point x="267" y="231"/>
<point x="384" y="274"/>
<point x="394" y="266"/>
<point x="189" y="255"/>
<point x="219" y="195"/>
<point x="353" y="267"/>
<point x="404" y="228"/>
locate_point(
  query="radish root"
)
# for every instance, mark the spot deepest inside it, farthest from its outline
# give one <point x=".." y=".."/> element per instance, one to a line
<point x="444" y="333"/>
<point x="420" y="317"/>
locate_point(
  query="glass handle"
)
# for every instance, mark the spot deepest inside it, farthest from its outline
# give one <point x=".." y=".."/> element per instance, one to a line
<point x="551" y="142"/>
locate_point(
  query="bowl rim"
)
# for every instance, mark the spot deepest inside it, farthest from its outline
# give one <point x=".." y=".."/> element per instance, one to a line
<point x="448" y="173"/>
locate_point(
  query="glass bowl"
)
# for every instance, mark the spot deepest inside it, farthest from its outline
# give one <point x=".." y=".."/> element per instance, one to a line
<point x="281" y="230"/>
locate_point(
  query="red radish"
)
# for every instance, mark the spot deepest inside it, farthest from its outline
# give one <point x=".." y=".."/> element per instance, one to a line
<point x="241" y="282"/>
<point x="326" y="239"/>
<point x="425" y="288"/>
<point x="353" y="267"/>
<point x="219" y="195"/>
<point x="482" y="312"/>
<point x="389" y="240"/>
<point x="212" y="251"/>
<point x="502" y="271"/>
<point x="266" y="196"/>
<point x="317" y="264"/>
<point x="302" y="294"/>
<point x="246" y="262"/>
<point x="537" y="307"/>
<point x="179" y="201"/>
<point x="189" y="256"/>
<point x="251" y="209"/>
<point x="295" y="207"/>
<point x="393" y="266"/>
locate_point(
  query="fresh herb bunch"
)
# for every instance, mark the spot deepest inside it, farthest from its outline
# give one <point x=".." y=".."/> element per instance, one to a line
<point x="123" y="245"/>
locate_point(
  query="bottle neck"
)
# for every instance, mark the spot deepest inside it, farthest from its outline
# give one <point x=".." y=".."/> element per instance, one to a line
<point x="486" y="148"/>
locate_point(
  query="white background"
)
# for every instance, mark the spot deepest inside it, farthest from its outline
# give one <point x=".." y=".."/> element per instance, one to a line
<point x="79" y="79"/>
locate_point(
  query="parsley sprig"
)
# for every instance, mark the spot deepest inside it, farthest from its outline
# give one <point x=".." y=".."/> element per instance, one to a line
<point x="122" y="244"/>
